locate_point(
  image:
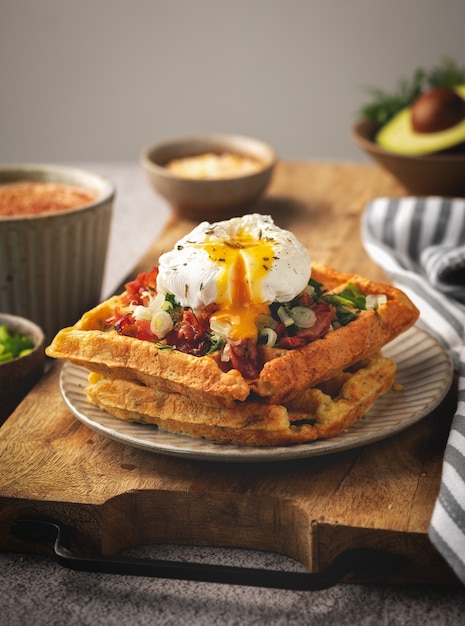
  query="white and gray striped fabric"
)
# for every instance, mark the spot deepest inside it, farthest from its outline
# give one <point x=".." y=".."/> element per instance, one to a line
<point x="420" y="244"/>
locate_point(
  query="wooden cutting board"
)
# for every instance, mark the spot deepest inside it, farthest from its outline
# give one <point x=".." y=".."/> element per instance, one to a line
<point x="115" y="496"/>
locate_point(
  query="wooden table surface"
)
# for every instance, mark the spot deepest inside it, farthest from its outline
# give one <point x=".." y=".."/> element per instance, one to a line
<point x="116" y="496"/>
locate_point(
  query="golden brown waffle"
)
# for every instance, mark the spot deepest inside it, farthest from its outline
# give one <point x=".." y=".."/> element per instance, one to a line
<point x="320" y="412"/>
<point x="284" y="374"/>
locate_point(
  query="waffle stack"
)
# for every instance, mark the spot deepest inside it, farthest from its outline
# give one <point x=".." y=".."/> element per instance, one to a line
<point x="300" y="395"/>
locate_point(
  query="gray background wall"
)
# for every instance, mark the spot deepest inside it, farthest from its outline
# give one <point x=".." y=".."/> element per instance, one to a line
<point x="96" y="80"/>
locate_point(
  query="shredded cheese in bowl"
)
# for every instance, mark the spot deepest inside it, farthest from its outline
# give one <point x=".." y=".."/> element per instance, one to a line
<point x="211" y="166"/>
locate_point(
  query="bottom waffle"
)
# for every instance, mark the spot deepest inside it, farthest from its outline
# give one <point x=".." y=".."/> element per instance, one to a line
<point x="318" y="413"/>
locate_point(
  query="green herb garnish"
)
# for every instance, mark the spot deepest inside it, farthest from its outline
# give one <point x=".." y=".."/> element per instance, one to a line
<point x="164" y="346"/>
<point x="173" y="307"/>
<point x="350" y="296"/>
<point x="447" y="74"/>
<point x="347" y="304"/>
<point x="216" y="344"/>
<point x="171" y="298"/>
<point x="383" y="105"/>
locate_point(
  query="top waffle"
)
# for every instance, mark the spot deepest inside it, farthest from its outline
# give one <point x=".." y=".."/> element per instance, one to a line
<point x="283" y="372"/>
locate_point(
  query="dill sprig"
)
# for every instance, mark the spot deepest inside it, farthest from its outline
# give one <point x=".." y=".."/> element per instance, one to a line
<point x="447" y="74"/>
<point x="383" y="105"/>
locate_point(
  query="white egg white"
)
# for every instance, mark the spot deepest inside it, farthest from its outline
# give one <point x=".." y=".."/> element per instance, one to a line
<point x="199" y="270"/>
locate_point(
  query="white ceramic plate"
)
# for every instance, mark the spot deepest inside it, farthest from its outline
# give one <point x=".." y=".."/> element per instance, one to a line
<point x="424" y="370"/>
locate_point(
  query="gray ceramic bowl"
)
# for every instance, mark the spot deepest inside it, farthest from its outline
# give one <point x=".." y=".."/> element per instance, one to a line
<point x="434" y="174"/>
<point x="18" y="376"/>
<point x="209" y="199"/>
<point x="52" y="263"/>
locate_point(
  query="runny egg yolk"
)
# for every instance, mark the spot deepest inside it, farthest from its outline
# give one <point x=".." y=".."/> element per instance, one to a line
<point x="244" y="262"/>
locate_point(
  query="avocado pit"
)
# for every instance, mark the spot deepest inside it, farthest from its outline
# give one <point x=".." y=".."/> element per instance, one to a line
<point x="436" y="110"/>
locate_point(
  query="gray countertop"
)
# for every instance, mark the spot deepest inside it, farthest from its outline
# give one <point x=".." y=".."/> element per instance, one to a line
<point x="37" y="590"/>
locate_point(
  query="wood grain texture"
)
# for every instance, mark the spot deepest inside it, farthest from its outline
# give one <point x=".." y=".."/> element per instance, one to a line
<point x="116" y="496"/>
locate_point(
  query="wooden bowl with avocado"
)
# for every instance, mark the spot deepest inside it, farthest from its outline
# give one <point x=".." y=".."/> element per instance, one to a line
<point x="419" y="138"/>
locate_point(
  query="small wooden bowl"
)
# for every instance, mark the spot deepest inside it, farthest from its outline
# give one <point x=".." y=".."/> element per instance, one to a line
<point x="208" y="199"/>
<point x="436" y="174"/>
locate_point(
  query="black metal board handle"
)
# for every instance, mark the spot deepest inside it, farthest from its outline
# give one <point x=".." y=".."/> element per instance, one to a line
<point x="354" y="561"/>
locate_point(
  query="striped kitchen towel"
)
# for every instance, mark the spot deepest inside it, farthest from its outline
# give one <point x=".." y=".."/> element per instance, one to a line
<point x="420" y="244"/>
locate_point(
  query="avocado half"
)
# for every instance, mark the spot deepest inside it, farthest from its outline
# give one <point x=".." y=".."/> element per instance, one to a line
<point x="398" y="135"/>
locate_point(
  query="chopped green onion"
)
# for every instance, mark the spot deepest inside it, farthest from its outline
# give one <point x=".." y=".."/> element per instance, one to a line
<point x="161" y="324"/>
<point x="350" y="296"/>
<point x="13" y="344"/>
<point x="221" y="327"/>
<point x="375" y="300"/>
<point x="303" y="316"/>
<point x="270" y="336"/>
<point x="348" y="303"/>
<point x="285" y="316"/>
<point x="157" y="302"/>
<point x="265" y="321"/>
<point x="142" y="312"/>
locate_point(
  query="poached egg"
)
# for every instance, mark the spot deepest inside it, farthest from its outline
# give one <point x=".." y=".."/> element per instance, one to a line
<point x="242" y="265"/>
